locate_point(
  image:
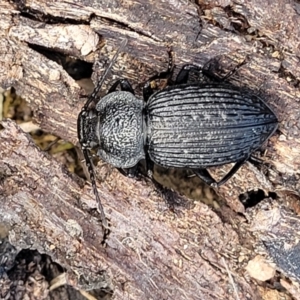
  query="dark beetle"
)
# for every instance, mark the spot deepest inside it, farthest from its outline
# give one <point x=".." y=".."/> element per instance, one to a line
<point x="193" y="126"/>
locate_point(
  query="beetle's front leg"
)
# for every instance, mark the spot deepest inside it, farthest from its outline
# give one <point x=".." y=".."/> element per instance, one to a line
<point x="124" y="84"/>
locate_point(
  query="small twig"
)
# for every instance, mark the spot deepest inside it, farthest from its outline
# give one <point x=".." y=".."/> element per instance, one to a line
<point x="231" y="279"/>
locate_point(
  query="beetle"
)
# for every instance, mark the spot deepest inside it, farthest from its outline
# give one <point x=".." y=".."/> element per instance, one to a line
<point x="184" y="125"/>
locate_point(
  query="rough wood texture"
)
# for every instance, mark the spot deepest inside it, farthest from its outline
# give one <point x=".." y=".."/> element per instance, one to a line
<point x="151" y="253"/>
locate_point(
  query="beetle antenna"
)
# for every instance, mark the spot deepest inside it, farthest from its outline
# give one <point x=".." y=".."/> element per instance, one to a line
<point x="90" y="166"/>
<point x="95" y="92"/>
<point x="86" y="154"/>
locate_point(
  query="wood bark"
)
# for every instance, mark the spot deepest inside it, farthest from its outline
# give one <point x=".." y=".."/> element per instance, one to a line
<point x="151" y="252"/>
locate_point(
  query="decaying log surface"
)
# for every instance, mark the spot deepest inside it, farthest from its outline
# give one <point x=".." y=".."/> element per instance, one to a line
<point x="150" y="253"/>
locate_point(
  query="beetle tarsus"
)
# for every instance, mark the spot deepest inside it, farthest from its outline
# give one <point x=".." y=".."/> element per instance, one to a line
<point x="232" y="171"/>
<point x="205" y="176"/>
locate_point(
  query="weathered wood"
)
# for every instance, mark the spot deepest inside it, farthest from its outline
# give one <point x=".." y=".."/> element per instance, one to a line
<point x="144" y="251"/>
<point x="150" y="252"/>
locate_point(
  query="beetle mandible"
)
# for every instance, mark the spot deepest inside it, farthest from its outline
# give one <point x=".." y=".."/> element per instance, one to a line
<point x="193" y="126"/>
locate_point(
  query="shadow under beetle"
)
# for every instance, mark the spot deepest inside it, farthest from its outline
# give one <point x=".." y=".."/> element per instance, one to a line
<point x="193" y="126"/>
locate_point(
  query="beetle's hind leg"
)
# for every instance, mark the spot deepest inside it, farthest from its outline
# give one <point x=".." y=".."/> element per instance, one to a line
<point x="204" y="175"/>
<point x="231" y="172"/>
<point x="207" y="178"/>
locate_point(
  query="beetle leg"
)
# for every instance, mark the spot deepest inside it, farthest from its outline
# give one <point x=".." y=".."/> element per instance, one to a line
<point x="124" y="84"/>
<point x="183" y="74"/>
<point x="255" y="160"/>
<point x="149" y="166"/>
<point x="231" y="172"/>
<point x="158" y="187"/>
<point x="230" y="73"/>
<point x="147" y="88"/>
<point x="205" y="176"/>
<point x="147" y="91"/>
<point x="129" y="172"/>
<point x="210" y="68"/>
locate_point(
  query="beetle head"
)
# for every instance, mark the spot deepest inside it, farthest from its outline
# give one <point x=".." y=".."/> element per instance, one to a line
<point x="86" y="126"/>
